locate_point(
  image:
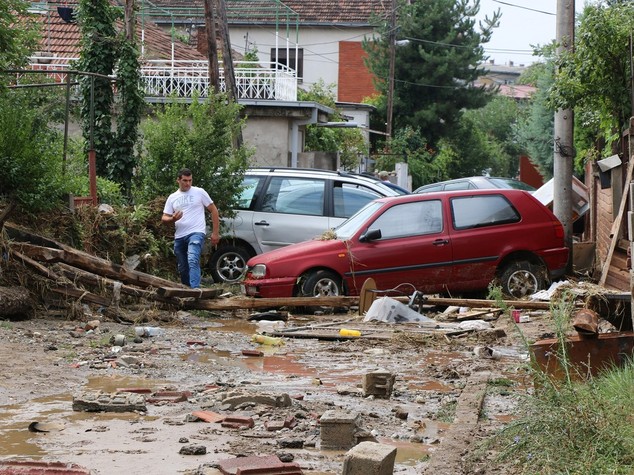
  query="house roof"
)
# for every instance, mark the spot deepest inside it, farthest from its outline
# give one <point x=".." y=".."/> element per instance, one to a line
<point x="304" y="12"/>
<point x="62" y="39"/>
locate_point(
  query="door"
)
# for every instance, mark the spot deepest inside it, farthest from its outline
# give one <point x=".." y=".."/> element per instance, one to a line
<point x="291" y="210"/>
<point x="413" y="251"/>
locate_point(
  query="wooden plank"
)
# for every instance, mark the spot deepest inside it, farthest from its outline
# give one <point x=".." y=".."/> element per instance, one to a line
<point x="237" y="303"/>
<point x="616" y="225"/>
<point x="194" y="293"/>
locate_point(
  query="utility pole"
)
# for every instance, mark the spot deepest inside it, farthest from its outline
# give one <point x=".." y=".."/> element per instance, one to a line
<point x="564" y="120"/>
<point x="212" y="47"/>
<point x="392" y="59"/>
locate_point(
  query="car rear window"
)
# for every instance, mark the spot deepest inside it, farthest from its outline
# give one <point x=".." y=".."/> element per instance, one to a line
<point x="484" y="210"/>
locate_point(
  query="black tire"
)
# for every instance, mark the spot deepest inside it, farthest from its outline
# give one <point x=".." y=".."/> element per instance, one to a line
<point x="228" y="264"/>
<point x="521" y="278"/>
<point x="321" y="283"/>
<point x="317" y="284"/>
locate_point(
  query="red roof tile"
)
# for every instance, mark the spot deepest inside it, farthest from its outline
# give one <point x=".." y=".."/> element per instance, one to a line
<point x="62" y="39"/>
<point x="308" y="11"/>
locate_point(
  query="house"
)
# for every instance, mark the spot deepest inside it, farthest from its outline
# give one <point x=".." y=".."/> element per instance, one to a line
<point x="275" y="119"/>
<point x="320" y="40"/>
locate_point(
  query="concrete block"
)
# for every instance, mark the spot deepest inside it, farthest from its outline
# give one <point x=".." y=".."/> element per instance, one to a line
<point x="97" y="401"/>
<point x="370" y="458"/>
<point x="338" y="430"/>
<point x="378" y="383"/>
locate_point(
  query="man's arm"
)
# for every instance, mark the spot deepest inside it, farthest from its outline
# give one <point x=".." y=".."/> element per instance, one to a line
<point x="215" y="221"/>
<point x="170" y="218"/>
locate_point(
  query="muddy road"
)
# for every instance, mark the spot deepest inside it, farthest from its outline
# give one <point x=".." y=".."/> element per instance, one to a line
<point x="48" y="363"/>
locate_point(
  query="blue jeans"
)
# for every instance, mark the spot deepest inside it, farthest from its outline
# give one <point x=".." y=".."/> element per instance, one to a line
<point x="188" y="250"/>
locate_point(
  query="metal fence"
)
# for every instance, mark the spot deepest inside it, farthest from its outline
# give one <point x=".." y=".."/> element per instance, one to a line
<point x="184" y="79"/>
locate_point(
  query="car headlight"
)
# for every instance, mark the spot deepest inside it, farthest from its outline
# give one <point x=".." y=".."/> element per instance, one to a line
<point x="258" y="270"/>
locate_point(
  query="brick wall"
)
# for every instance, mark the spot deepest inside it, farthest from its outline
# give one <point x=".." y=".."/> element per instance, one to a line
<point x="355" y="81"/>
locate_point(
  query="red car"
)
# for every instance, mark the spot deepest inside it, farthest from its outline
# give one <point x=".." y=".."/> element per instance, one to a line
<point x="445" y="242"/>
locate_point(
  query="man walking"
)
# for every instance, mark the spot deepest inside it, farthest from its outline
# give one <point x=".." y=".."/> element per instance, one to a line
<point x="186" y="209"/>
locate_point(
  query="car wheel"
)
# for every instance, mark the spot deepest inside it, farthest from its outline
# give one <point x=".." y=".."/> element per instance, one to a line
<point x="521" y="278"/>
<point x="322" y="283"/>
<point x="228" y="264"/>
<point x="318" y="284"/>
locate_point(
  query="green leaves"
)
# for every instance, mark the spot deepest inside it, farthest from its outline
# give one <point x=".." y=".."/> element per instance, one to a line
<point x="199" y="136"/>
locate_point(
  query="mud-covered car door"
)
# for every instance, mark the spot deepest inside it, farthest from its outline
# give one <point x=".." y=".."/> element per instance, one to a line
<point x="413" y="251"/>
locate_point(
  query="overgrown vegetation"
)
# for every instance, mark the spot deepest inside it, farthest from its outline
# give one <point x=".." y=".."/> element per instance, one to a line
<point x="198" y="136"/>
<point x="348" y="142"/>
<point x="104" y="50"/>
<point x="571" y="423"/>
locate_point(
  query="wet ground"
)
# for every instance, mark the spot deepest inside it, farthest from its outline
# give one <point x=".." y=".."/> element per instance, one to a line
<point x="48" y="362"/>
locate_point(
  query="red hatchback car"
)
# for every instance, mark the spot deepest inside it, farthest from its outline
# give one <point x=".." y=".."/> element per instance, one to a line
<point x="445" y="242"/>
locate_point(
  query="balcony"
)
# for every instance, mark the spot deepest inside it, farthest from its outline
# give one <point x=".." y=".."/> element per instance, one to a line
<point x="163" y="79"/>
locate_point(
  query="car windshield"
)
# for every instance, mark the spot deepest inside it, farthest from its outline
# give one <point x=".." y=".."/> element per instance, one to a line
<point x="351" y="225"/>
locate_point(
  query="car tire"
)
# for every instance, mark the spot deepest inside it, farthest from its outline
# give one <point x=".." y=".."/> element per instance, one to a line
<point x="521" y="279"/>
<point x="228" y="264"/>
<point x="321" y="283"/>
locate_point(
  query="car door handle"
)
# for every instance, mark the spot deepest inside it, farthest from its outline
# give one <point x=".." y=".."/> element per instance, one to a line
<point x="440" y="242"/>
<point x="261" y="223"/>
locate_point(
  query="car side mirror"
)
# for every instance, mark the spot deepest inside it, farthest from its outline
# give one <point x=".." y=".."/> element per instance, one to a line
<point x="370" y="235"/>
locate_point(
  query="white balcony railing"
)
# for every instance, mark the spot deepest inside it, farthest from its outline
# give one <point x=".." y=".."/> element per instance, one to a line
<point x="184" y="79"/>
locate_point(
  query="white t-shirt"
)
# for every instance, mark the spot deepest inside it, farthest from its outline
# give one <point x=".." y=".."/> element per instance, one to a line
<point x="192" y="203"/>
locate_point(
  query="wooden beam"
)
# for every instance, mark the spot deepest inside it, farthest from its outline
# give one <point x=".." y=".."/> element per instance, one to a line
<point x="616" y="225"/>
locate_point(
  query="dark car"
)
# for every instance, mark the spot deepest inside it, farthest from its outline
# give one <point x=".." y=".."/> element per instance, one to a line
<point x="475" y="183"/>
<point x="452" y="242"/>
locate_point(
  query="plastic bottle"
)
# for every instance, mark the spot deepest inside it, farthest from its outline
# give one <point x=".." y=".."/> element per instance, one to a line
<point x="347" y="332"/>
<point x="148" y="331"/>
<point x="267" y="340"/>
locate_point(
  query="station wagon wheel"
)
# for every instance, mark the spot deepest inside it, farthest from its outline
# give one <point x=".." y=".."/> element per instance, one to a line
<point x="228" y="264"/>
<point x="521" y="278"/>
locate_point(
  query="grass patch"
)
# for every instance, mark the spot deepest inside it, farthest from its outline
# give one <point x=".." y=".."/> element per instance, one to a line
<point x="447" y="412"/>
<point x="570" y="425"/>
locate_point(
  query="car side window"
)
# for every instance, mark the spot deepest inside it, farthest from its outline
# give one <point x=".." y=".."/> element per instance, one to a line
<point x="295" y="196"/>
<point x="410" y="219"/>
<point x="247" y="195"/>
<point x="479" y="211"/>
<point x="349" y="198"/>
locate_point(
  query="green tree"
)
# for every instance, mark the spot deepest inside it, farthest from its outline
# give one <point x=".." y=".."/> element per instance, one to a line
<point x="595" y="79"/>
<point x="349" y="142"/>
<point x="105" y="51"/>
<point x="435" y="72"/>
<point x="535" y="129"/>
<point x="193" y="137"/>
<point x="18" y="33"/>
<point x="30" y="154"/>
<point x="409" y="145"/>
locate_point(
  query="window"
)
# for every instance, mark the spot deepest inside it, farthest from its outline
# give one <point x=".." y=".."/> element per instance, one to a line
<point x="295" y="196"/>
<point x="247" y="195"/>
<point x="410" y="219"/>
<point x="281" y="58"/>
<point x="479" y="211"/>
<point x="351" y="198"/>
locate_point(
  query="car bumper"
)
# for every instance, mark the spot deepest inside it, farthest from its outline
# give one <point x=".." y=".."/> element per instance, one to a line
<point x="556" y="260"/>
<point x="269" y="288"/>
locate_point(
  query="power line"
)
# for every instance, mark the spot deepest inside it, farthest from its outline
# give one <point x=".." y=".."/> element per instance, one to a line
<point x="524" y="8"/>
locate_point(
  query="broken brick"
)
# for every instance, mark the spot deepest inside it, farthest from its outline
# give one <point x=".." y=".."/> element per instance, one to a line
<point x="258" y="465"/>
<point x="237" y="422"/>
<point x="208" y="416"/>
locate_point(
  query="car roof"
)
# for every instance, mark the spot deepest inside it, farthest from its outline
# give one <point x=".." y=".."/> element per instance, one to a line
<point x="321" y="173"/>
<point x="455" y="193"/>
<point x="481" y="180"/>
